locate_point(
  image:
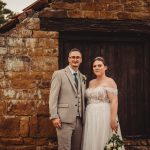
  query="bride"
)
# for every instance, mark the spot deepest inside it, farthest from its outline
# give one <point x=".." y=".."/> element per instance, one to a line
<point x="101" y="112"/>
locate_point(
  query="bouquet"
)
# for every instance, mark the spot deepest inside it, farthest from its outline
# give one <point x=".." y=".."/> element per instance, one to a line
<point x="114" y="143"/>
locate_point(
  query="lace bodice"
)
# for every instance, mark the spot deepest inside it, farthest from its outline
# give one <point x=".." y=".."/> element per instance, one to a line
<point x="99" y="94"/>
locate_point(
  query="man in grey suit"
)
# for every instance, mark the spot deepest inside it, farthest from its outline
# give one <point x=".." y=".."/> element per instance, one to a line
<point x="67" y="104"/>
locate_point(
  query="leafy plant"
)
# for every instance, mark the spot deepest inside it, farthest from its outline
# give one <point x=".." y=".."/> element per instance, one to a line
<point x="114" y="143"/>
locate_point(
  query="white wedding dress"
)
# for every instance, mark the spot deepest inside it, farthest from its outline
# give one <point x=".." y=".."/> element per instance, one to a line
<point x="97" y="130"/>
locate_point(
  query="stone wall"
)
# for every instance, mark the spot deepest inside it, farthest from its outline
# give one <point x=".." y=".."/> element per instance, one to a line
<point x="100" y="9"/>
<point x="28" y="57"/>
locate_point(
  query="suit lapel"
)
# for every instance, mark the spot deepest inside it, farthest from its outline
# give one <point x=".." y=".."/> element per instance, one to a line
<point x="70" y="77"/>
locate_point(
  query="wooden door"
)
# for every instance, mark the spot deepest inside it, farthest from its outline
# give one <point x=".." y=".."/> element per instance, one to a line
<point x="128" y="58"/>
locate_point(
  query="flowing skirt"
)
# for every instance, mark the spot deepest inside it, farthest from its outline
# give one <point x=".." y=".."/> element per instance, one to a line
<point x="97" y="131"/>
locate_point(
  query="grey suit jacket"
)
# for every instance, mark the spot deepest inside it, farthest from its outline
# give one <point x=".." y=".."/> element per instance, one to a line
<point x="64" y="97"/>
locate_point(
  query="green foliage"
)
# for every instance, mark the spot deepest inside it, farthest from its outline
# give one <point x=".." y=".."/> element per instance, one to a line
<point x="114" y="143"/>
<point x="5" y="14"/>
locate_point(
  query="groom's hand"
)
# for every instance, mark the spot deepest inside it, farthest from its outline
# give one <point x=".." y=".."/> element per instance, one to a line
<point x="56" y="123"/>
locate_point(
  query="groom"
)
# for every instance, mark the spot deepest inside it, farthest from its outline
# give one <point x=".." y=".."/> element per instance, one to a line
<point x="66" y="103"/>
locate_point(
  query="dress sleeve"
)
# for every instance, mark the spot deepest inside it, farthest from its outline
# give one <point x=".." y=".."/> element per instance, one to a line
<point x="112" y="90"/>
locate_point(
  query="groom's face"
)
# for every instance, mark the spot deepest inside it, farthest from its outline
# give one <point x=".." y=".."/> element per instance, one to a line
<point x="75" y="59"/>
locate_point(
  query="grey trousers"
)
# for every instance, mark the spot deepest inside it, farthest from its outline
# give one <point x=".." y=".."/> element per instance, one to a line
<point x="70" y="135"/>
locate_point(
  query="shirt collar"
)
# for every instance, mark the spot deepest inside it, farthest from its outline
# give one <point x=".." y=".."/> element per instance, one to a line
<point x="72" y="71"/>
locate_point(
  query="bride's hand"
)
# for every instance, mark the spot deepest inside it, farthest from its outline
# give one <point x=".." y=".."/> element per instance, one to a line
<point x="114" y="125"/>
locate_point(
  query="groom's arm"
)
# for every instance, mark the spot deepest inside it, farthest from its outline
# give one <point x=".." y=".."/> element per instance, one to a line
<point x="54" y="94"/>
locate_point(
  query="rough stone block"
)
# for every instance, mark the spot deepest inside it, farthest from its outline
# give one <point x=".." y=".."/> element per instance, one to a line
<point x="23" y="107"/>
<point x="9" y="93"/>
<point x="33" y="126"/>
<point x="15" y="42"/>
<point x="43" y="107"/>
<point x="13" y="63"/>
<point x="45" y="94"/>
<point x="2" y="41"/>
<point x="3" y="50"/>
<point x="4" y="83"/>
<point x="41" y="34"/>
<point x="9" y="127"/>
<point x="12" y="141"/>
<point x="91" y="14"/>
<point x="32" y="23"/>
<point x="15" y="147"/>
<point x="24" y="126"/>
<point x="31" y="42"/>
<point x="22" y="32"/>
<point x="2" y="74"/>
<point x="75" y="14"/>
<point x="42" y="141"/>
<point x="23" y="84"/>
<point x="48" y="43"/>
<point x="17" y="50"/>
<point x="53" y="13"/>
<point x="51" y="52"/>
<point x="29" y="141"/>
<point x="45" y="63"/>
<point x="2" y="108"/>
<point x="65" y="5"/>
<point x="45" y="128"/>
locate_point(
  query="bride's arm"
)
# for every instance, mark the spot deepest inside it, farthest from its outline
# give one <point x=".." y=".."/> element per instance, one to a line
<point x="113" y="97"/>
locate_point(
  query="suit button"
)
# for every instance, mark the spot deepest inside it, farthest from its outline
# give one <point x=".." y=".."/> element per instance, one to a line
<point x="76" y="96"/>
<point x="76" y="105"/>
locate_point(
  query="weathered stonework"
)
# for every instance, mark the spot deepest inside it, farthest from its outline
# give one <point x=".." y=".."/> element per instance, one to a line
<point x="29" y="56"/>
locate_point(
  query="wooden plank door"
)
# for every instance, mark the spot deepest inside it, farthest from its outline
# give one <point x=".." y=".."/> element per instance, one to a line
<point x="128" y="58"/>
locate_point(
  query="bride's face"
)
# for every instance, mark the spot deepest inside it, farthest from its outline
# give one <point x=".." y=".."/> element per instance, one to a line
<point x="99" y="68"/>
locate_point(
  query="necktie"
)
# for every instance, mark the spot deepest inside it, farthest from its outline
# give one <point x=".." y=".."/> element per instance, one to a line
<point x="76" y="79"/>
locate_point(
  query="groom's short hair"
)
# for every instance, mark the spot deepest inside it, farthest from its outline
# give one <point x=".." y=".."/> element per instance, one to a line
<point x="75" y="50"/>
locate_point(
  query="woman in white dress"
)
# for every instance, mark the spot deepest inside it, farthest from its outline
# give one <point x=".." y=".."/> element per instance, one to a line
<point x="101" y="111"/>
